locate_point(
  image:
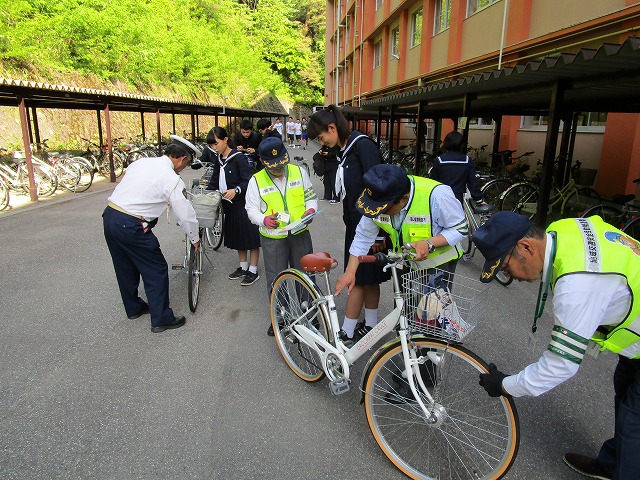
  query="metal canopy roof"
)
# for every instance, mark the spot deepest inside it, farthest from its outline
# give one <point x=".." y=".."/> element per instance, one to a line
<point x="45" y="95"/>
<point x="602" y="80"/>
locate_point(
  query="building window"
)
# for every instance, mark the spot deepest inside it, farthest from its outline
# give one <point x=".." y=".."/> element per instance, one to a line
<point x="474" y="6"/>
<point x="481" y="122"/>
<point x="443" y="13"/>
<point x="587" y="122"/>
<point x="379" y="3"/>
<point x="377" y="54"/>
<point x="395" y="43"/>
<point x="416" y="28"/>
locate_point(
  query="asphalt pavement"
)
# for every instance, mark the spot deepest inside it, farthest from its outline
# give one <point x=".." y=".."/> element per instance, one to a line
<point x="86" y="393"/>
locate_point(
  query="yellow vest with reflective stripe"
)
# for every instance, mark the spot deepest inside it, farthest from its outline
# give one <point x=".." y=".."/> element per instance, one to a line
<point x="417" y="225"/>
<point x="589" y="245"/>
<point x="293" y="202"/>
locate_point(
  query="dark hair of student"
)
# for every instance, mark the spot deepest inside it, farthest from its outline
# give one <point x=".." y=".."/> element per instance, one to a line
<point x="218" y="133"/>
<point x="319" y="122"/>
<point x="453" y="142"/>
<point x="246" y="124"/>
<point x="263" y="123"/>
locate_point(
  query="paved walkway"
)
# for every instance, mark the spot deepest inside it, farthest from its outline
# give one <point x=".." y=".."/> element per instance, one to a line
<point x="87" y="393"/>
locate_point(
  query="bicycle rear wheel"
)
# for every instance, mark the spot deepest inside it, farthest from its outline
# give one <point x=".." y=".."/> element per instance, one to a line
<point x="632" y="228"/>
<point x="469" y="434"/>
<point x="195" y="270"/>
<point x="215" y="234"/>
<point x="521" y="198"/>
<point x="4" y="195"/>
<point x="579" y="201"/>
<point x="294" y="294"/>
<point x="492" y="190"/>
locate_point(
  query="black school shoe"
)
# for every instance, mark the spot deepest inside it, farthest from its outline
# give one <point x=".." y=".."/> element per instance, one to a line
<point x="238" y="273"/>
<point x="177" y="323"/>
<point x="249" y="279"/>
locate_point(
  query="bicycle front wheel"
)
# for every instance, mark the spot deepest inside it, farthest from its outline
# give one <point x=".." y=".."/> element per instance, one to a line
<point x="215" y="234"/>
<point x="580" y="201"/>
<point x="493" y="189"/>
<point x="293" y="301"/>
<point x="468" y="434"/>
<point x="195" y="270"/>
<point x="632" y="228"/>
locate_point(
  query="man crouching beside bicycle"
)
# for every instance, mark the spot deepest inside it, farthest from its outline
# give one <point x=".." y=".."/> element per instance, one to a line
<point x="411" y="209"/>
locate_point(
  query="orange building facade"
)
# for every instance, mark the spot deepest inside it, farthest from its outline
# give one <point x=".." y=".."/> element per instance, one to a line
<point x="379" y="47"/>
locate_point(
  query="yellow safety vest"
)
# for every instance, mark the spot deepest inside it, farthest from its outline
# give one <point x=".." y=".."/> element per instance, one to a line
<point x="589" y="245"/>
<point x="417" y="225"/>
<point x="292" y="203"/>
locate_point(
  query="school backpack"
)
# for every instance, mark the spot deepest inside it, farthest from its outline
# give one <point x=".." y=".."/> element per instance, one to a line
<point x="318" y="165"/>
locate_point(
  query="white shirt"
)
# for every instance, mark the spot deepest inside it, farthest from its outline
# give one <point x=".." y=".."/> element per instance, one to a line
<point x="278" y="127"/>
<point x="148" y="185"/>
<point x="581" y="303"/>
<point x="257" y="208"/>
<point x="291" y="128"/>
<point x="446" y="213"/>
<point x="298" y="128"/>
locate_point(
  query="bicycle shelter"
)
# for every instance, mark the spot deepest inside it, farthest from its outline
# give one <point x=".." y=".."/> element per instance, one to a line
<point x="29" y="96"/>
<point x="598" y="80"/>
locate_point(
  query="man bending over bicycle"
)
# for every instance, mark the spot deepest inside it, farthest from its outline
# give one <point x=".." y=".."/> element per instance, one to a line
<point x="411" y="209"/>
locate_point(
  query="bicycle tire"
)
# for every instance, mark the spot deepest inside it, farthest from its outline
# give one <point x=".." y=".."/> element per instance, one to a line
<point x="467" y="241"/>
<point x="470" y="434"/>
<point x="580" y="201"/>
<point x="69" y="175"/>
<point x="215" y="234"/>
<point x="4" y="195"/>
<point x="632" y="228"/>
<point x="609" y="214"/>
<point x="195" y="270"/>
<point x="520" y="198"/>
<point x="503" y="279"/>
<point x="292" y="294"/>
<point x="45" y="179"/>
<point x="493" y="189"/>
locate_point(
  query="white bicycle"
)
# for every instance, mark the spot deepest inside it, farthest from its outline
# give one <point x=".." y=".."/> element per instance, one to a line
<point x="420" y="390"/>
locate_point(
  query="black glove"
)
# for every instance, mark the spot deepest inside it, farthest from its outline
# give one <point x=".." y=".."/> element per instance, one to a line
<point x="492" y="381"/>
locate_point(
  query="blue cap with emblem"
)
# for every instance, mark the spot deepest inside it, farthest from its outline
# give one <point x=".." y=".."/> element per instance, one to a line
<point x="383" y="184"/>
<point x="272" y="152"/>
<point x="496" y="238"/>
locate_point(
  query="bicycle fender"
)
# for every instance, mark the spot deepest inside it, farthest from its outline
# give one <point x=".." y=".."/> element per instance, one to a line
<point x="303" y="276"/>
<point x="374" y="358"/>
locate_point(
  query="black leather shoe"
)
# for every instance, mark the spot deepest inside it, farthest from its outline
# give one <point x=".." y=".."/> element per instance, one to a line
<point x="587" y="466"/>
<point x="177" y="323"/>
<point x="144" y="311"/>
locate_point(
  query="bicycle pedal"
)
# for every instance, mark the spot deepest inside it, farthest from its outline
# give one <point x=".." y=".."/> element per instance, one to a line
<point x="339" y="386"/>
<point x="177" y="266"/>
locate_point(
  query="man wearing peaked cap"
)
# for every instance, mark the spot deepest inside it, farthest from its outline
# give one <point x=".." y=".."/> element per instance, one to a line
<point x="413" y="210"/>
<point x="277" y="196"/>
<point x="593" y="270"/>
<point x="131" y="213"/>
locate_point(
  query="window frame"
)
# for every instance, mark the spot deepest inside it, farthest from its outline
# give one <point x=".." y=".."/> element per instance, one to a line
<point x="414" y="33"/>
<point x="377" y="54"/>
<point x="394" y="42"/>
<point x="472" y="5"/>
<point x="438" y="24"/>
<point x="379" y="3"/>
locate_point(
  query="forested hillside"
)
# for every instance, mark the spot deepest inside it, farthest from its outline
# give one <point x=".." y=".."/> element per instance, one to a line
<point x="200" y="50"/>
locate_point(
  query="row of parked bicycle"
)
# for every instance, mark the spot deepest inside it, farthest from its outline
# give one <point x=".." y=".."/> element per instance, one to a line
<point x="75" y="173"/>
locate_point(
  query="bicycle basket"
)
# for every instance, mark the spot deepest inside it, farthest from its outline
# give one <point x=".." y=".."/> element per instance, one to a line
<point x="205" y="203"/>
<point x="440" y="308"/>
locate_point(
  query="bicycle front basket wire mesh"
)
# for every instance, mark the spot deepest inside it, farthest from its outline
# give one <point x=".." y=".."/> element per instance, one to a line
<point x="440" y="308"/>
<point x="205" y="203"/>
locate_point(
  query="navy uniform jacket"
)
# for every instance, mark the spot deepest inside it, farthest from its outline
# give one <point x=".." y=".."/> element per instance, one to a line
<point x="237" y="171"/>
<point x="457" y="170"/>
<point x="252" y="142"/>
<point x="362" y="156"/>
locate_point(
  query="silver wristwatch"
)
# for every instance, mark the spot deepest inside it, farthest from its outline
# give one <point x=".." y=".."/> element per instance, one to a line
<point x="432" y="247"/>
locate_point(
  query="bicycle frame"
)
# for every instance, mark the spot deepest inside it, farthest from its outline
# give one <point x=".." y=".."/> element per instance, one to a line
<point x="336" y="360"/>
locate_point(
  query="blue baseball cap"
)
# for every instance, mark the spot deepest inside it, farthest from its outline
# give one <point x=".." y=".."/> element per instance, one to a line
<point x="497" y="237"/>
<point x="383" y="184"/>
<point x="272" y="152"/>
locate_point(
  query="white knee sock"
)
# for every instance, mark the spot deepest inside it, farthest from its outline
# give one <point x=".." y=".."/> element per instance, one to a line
<point x="253" y="269"/>
<point x="371" y="317"/>
<point x="244" y="265"/>
<point x="349" y="325"/>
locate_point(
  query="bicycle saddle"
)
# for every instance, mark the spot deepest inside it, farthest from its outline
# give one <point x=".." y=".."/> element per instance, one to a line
<point x="318" y="262"/>
<point x="622" y="199"/>
<point x="483" y="208"/>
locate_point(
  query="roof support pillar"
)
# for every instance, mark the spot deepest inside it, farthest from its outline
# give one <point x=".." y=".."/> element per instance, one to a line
<point x="99" y="117"/>
<point x="193" y="127"/>
<point x="555" y="112"/>
<point x="466" y="112"/>
<point x="36" y="127"/>
<point x="564" y="163"/>
<point x="107" y="124"/>
<point x="392" y="110"/>
<point x="173" y="123"/>
<point x="378" y="126"/>
<point x="574" y="130"/>
<point x="24" y="124"/>
<point x="495" y="159"/>
<point x="144" y="139"/>
<point x="420" y="134"/>
<point x="159" y="132"/>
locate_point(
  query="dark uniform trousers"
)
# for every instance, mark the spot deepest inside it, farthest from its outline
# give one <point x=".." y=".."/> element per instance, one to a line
<point x="137" y="253"/>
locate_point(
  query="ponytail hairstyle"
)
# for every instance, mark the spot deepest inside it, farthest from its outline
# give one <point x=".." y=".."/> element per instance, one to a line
<point x="319" y="122"/>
